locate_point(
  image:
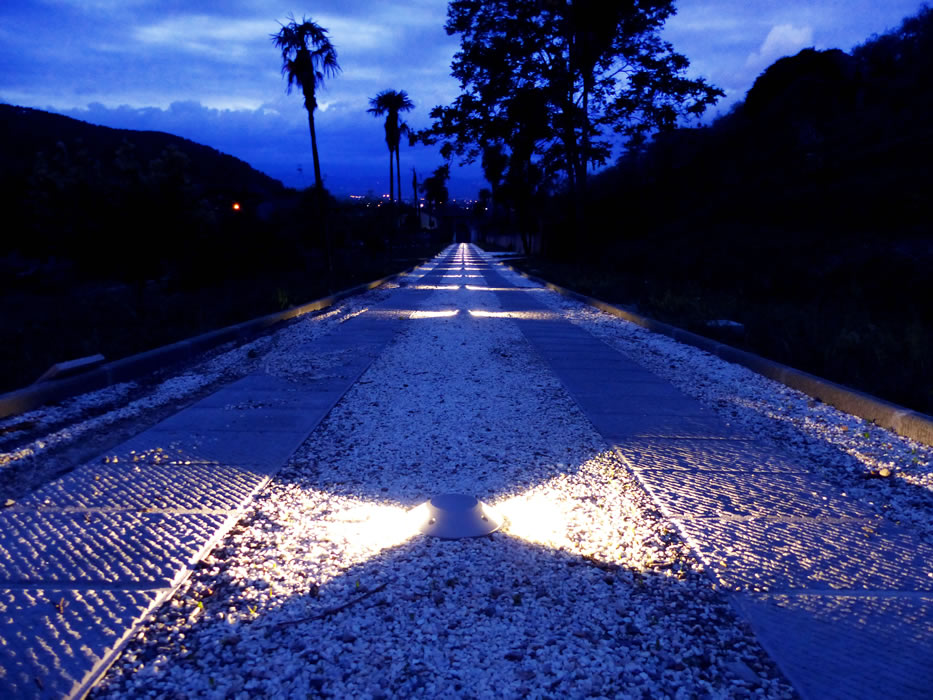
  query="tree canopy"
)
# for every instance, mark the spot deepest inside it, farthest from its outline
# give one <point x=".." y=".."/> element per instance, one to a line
<point x="546" y="83"/>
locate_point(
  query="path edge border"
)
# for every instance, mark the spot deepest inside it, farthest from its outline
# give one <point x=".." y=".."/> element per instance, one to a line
<point x="131" y="367"/>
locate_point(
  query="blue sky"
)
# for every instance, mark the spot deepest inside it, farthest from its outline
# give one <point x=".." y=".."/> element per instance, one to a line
<point x="208" y="71"/>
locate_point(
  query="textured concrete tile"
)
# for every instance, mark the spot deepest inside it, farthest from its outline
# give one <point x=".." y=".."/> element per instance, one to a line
<point x="244" y="417"/>
<point x="94" y="549"/>
<point x="263" y="452"/>
<point x="761" y="555"/>
<point x="51" y="640"/>
<point x="263" y="390"/>
<point x="684" y="494"/>
<point x="618" y="428"/>
<point x="149" y="481"/>
<point x="627" y="405"/>
<point x="704" y="455"/>
<point x="590" y="385"/>
<point x="848" y="647"/>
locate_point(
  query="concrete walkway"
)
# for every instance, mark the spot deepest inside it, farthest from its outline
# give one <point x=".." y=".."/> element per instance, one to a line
<point x="841" y="600"/>
<point x="84" y="559"/>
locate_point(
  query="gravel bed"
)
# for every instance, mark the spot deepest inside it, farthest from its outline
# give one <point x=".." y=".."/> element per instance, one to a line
<point x="890" y="473"/>
<point x="321" y="589"/>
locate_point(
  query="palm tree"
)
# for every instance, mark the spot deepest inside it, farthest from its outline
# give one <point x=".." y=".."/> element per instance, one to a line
<point x="308" y="58"/>
<point x="391" y="103"/>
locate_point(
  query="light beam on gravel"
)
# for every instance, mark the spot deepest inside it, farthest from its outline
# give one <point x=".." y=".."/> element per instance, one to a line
<point x="475" y="288"/>
<point x="535" y="517"/>
<point x="434" y="314"/>
<point x="365" y="528"/>
<point x="522" y="315"/>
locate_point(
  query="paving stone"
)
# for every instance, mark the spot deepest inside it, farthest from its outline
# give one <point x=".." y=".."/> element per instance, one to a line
<point x="705" y="494"/>
<point x="262" y="453"/>
<point x="848" y="647"/>
<point x="94" y="549"/>
<point x="264" y="390"/>
<point x="245" y="417"/>
<point x="149" y="481"/>
<point x="643" y="406"/>
<point x="615" y="384"/>
<point x="704" y="455"/>
<point x="618" y="428"/>
<point x="53" y="640"/>
<point x="776" y="556"/>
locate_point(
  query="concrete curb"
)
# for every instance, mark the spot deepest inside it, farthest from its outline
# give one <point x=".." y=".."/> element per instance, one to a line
<point x="129" y="368"/>
<point x="903" y="421"/>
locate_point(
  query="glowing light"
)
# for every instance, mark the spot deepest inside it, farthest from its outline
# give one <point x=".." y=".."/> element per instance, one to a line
<point x="521" y="315"/>
<point x="534" y="517"/>
<point x="236" y="206"/>
<point x="450" y="287"/>
<point x="434" y="314"/>
<point x="475" y="288"/>
<point x="365" y="528"/>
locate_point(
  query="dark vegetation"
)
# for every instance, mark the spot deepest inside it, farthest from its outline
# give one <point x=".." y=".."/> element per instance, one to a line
<point x="804" y="214"/>
<point x="129" y="240"/>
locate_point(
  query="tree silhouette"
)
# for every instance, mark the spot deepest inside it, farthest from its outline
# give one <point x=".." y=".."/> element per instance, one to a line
<point x="435" y="186"/>
<point x="595" y="67"/>
<point x="391" y="103"/>
<point x="308" y="58"/>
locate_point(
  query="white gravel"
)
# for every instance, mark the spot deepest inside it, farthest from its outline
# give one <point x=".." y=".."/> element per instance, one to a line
<point x="322" y="590"/>
<point x="587" y="591"/>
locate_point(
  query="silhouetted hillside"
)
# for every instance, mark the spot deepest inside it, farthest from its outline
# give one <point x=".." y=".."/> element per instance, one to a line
<point x="805" y="213"/>
<point x="25" y="132"/>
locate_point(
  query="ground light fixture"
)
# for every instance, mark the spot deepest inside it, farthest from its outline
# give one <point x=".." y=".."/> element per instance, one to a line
<point x="453" y="516"/>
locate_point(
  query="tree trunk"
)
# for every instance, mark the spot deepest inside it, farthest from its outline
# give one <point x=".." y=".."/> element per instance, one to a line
<point x="398" y="173"/>
<point x="391" y="178"/>
<point x="318" y="182"/>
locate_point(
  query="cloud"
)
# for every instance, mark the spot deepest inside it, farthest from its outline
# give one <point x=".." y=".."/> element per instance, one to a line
<point x="782" y="40"/>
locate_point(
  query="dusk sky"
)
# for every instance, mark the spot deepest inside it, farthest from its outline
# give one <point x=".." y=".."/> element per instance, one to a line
<point x="207" y="70"/>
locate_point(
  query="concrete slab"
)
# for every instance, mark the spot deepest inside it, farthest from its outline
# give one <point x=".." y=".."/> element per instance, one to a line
<point x="624" y="404"/>
<point x="52" y="640"/>
<point x="261" y="453"/>
<point x="704" y="455"/>
<point x="266" y="390"/>
<point x="246" y="417"/>
<point x="592" y="361"/>
<point x="111" y="550"/>
<point x="777" y="556"/>
<point x="618" y="428"/>
<point x="152" y="481"/>
<point x="707" y="494"/>
<point x="848" y="647"/>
